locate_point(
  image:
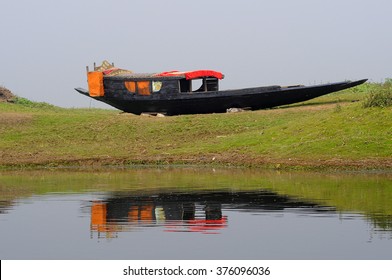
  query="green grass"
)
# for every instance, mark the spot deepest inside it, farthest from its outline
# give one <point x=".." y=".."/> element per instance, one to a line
<point x="332" y="130"/>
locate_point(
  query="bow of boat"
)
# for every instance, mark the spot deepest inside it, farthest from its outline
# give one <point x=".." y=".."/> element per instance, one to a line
<point x="349" y="84"/>
<point x="83" y="91"/>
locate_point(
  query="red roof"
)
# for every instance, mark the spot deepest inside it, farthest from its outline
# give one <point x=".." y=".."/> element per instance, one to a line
<point x="189" y="75"/>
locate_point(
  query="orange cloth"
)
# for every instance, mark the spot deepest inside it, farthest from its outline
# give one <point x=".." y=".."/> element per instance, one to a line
<point x="98" y="216"/>
<point x="95" y="83"/>
<point x="131" y="86"/>
<point x="143" y="88"/>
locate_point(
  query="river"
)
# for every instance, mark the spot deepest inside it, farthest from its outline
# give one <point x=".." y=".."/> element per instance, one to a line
<point x="194" y="213"/>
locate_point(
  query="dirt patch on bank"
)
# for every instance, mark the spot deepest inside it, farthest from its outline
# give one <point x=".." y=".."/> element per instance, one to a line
<point x="11" y="118"/>
<point x="41" y="159"/>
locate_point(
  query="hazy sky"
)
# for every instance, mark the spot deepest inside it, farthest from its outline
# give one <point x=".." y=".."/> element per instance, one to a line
<point x="46" y="44"/>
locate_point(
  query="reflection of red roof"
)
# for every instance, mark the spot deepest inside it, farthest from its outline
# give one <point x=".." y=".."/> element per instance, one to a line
<point x="206" y="226"/>
<point x="189" y="75"/>
<point x="198" y="225"/>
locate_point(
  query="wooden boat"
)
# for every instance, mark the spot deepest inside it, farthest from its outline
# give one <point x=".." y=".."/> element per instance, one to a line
<point x="173" y="93"/>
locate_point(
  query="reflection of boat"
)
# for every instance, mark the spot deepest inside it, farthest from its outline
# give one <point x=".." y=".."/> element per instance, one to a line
<point x="191" y="212"/>
<point x="5" y="206"/>
<point x="110" y="216"/>
<point x="175" y="92"/>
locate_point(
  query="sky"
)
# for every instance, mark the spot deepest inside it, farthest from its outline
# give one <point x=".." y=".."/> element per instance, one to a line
<point x="45" y="45"/>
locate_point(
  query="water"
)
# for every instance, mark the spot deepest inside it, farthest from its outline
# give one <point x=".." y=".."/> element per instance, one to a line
<point x="194" y="214"/>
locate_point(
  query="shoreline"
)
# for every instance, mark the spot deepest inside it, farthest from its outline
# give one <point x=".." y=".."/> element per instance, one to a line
<point x="362" y="165"/>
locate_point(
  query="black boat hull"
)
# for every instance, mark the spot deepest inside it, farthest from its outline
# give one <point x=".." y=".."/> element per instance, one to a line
<point x="220" y="101"/>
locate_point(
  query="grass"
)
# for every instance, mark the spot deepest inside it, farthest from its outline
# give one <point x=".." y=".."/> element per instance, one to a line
<point x="330" y="131"/>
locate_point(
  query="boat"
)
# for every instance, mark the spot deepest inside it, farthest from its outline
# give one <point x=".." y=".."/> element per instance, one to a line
<point x="175" y="93"/>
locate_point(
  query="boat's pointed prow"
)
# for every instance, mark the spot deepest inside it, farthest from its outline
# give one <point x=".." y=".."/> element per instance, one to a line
<point x="358" y="82"/>
<point x="82" y="91"/>
<point x="350" y="84"/>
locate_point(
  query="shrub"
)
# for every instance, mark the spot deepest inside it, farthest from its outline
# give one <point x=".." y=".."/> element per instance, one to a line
<point x="380" y="96"/>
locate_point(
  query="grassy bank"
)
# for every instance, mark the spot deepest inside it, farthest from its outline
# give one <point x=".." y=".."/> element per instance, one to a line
<point x="334" y="131"/>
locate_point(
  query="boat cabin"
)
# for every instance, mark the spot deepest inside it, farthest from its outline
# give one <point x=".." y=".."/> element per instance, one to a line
<point x="187" y="80"/>
<point x="115" y="82"/>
